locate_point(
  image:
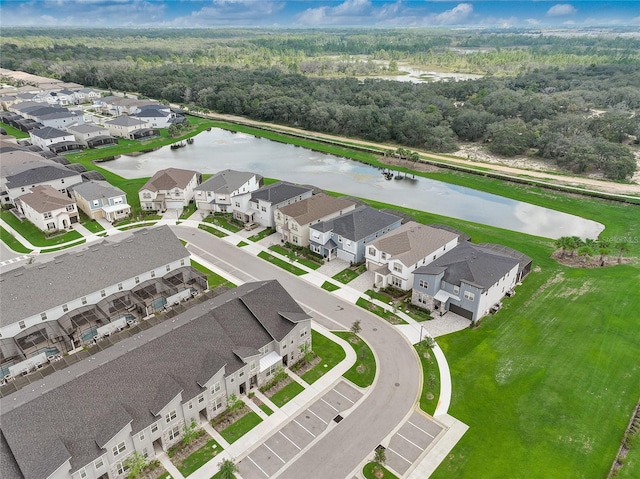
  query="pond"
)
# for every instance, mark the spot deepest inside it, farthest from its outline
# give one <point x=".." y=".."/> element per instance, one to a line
<point x="219" y="149"/>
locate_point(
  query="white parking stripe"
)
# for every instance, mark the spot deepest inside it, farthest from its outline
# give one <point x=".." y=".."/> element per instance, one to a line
<point x="317" y="416"/>
<point x="336" y="410"/>
<point x="399" y="455"/>
<point x="255" y="464"/>
<point x="274" y="453"/>
<point x="304" y="428"/>
<point x="420" y="429"/>
<point x="343" y="396"/>
<point x="294" y="444"/>
<point x="409" y="441"/>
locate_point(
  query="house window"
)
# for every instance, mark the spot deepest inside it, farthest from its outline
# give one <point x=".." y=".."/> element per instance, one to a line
<point x="83" y="300"/>
<point x="61" y="180"/>
<point x="456" y="289"/>
<point x="174" y="433"/>
<point x="264" y="208"/>
<point x="232" y="379"/>
<point x="215" y="388"/>
<point x="119" y="286"/>
<point x="397" y="282"/>
<point x="43" y="316"/>
<point x="171" y="416"/>
<point x="141" y="436"/>
<point x="51" y="226"/>
<point x="434" y="257"/>
<point x="423" y="283"/>
<point x="295" y="239"/>
<point x="21" y="324"/>
<point x="153" y="274"/>
<point x="182" y="262"/>
<point x="253" y="365"/>
<point x="383" y="255"/>
<point x="70" y="208"/>
<point x="190" y="405"/>
<point x="241" y="374"/>
<point x="47" y="215"/>
<point x="372" y="251"/>
<point x="397" y="267"/>
<point x="303" y="332"/>
<point x="470" y="296"/>
<point x="168" y="267"/>
<point x="65" y="308"/>
<point x="422" y="299"/>
<point x="237" y="204"/>
<point x="339" y="239"/>
<point x="122" y="468"/>
<point x="83" y="473"/>
<point x="154" y="428"/>
<point x="96" y="203"/>
<point x="119" y="448"/>
<point x="98" y="463"/>
<point x="137" y="279"/>
<point x="201" y="398"/>
<point x="217" y="404"/>
<point x="284" y="346"/>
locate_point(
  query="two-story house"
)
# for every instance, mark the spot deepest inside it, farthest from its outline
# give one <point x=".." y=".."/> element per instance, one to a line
<point x="98" y="199"/>
<point x="172" y="188"/>
<point x="91" y="135"/>
<point x="16" y="161"/>
<point x="157" y="115"/>
<point x="218" y="193"/>
<point x="54" y="175"/>
<point x="395" y="256"/>
<point x="293" y="221"/>
<point x="54" y="140"/>
<point x="48" y="209"/>
<point x="260" y="205"/>
<point x="468" y="280"/>
<point x="346" y="236"/>
<point x="126" y="126"/>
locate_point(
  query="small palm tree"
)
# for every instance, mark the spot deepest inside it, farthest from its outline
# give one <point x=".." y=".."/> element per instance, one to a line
<point x="564" y="243"/>
<point x="227" y="469"/>
<point x="574" y="243"/>
<point x="622" y="247"/>
<point x="604" y="249"/>
<point x="586" y="252"/>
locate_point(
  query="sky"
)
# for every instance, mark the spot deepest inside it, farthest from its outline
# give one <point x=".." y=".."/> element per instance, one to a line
<point x="317" y="13"/>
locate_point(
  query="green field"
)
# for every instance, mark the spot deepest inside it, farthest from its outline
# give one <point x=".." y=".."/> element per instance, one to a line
<point x="430" y="379"/>
<point x="11" y="242"/>
<point x="241" y="427"/>
<point x="286" y="394"/>
<point x="363" y="372"/>
<point x="330" y="354"/>
<point x="200" y="457"/>
<point x="213" y="279"/>
<point x="281" y="263"/>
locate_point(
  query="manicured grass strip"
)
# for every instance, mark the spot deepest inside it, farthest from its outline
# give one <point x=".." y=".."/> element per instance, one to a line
<point x="309" y="263"/>
<point x="383" y="313"/>
<point x="368" y="472"/>
<point x="213" y="231"/>
<point x="214" y="280"/>
<point x="346" y="275"/>
<point x="241" y="427"/>
<point x="59" y="248"/>
<point x="329" y="286"/>
<point x="222" y="222"/>
<point x="294" y="257"/>
<point x="363" y="372"/>
<point x="263" y="234"/>
<point x="139" y="225"/>
<point x="282" y="264"/>
<point x="218" y="475"/>
<point x="286" y="394"/>
<point x="417" y="314"/>
<point x="200" y="457"/>
<point x="430" y="379"/>
<point x="93" y="226"/>
<point x="330" y="353"/>
<point x="266" y="409"/>
<point x="188" y="211"/>
<point x="242" y="243"/>
<point x="12" y="243"/>
<point x="14" y="131"/>
<point x="33" y="235"/>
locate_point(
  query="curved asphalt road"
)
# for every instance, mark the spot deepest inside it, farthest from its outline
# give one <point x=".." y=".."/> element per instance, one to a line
<point x="391" y="398"/>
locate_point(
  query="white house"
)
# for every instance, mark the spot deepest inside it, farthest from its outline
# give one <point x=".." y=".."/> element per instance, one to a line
<point x="98" y="199"/>
<point x="53" y="174"/>
<point x="157" y="116"/>
<point x="47" y="137"/>
<point x="48" y="209"/>
<point x="172" y="188"/>
<point x="125" y="126"/>
<point x="219" y="193"/>
<point x="260" y="205"/>
<point x="395" y="256"/>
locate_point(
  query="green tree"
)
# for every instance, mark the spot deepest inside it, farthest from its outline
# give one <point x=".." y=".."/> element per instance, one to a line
<point x="135" y="464"/>
<point x="622" y="246"/>
<point x="563" y="244"/>
<point x="509" y="137"/>
<point x="604" y="248"/>
<point x="190" y="432"/>
<point x="227" y="469"/>
<point x="586" y="252"/>
<point x="355" y="327"/>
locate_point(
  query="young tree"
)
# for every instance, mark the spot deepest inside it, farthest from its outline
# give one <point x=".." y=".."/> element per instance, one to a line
<point x="563" y="244"/>
<point x="622" y="247"/>
<point x="227" y="469"/>
<point x="604" y="246"/>
<point x="379" y="458"/>
<point x="135" y="465"/>
<point x="190" y="432"/>
<point x="355" y="327"/>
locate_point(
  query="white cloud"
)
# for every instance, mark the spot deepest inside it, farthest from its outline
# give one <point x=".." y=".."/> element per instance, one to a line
<point x="455" y="16"/>
<point x="532" y="21"/>
<point x="561" y="9"/>
<point x="349" y="12"/>
<point x="231" y="13"/>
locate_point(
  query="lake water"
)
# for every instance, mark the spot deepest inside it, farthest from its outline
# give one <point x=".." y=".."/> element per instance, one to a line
<point x="219" y="149"/>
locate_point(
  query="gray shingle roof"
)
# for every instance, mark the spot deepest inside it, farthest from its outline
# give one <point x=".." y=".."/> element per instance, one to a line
<point x="73" y="275"/>
<point x="39" y="175"/>
<point x="358" y="224"/>
<point x="278" y="192"/>
<point x="226" y="181"/>
<point x="48" y="133"/>
<point x="86" y="128"/>
<point x="472" y="264"/>
<point x="93" y="399"/>
<point x="126" y="121"/>
<point x="94" y="190"/>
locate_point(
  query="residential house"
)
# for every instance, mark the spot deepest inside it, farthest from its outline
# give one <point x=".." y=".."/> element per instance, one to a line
<point x="17" y="160"/>
<point x="260" y="206"/>
<point x="61" y="97"/>
<point x="48" y="115"/>
<point x="225" y="346"/>
<point x="218" y="193"/>
<point x="116" y="105"/>
<point x="126" y="127"/>
<point x="293" y="221"/>
<point x="172" y="188"/>
<point x="54" y="175"/>
<point x="395" y="256"/>
<point x="86" y="95"/>
<point x="158" y="116"/>
<point x="98" y="199"/>
<point x="91" y="135"/>
<point x="346" y="236"/>
<point x="469" y="280"/>
<point x="48" y="209"/>
<point x="54" y="140"/>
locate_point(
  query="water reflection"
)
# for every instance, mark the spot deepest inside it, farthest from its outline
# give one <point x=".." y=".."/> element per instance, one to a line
<point x="218" y="149"/>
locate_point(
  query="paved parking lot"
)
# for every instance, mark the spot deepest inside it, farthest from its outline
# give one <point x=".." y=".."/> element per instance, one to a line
<point x="408" y="444"/>
<point x="290" y="440"/>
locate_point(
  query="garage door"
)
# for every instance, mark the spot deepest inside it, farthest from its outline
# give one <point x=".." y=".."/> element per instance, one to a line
<point x="461" y="311"/>
<point x="177" y="205"/>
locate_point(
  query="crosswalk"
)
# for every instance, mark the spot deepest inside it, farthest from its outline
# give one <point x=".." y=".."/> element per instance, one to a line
<point x="14" y="260"/>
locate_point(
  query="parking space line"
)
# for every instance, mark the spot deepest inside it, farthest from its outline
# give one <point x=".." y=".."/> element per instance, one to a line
<point x="420" y="429"/>
<point x="335" y="390"/>
<point x="399" y="455"/>
<point x="304" y="428"/>
<point x="317" y="416"/>
<point x="294" y="444"/>
<point x="274" y="452"/>
<point x="336" y="410"/>
<point x="409" y="441"/>
<point x="255" y="464"/>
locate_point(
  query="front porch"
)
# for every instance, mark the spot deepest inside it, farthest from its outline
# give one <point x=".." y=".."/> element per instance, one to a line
<point x="116" y="212"/>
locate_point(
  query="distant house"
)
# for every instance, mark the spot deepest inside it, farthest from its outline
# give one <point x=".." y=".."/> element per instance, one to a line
<point x="395" y="256"/>
<point x="15" y="161"/>
<point x="172" y="188"/>
<point x="262" y="203"/>
<point x="346" y="236"/>
<point x="91" y="135"/>
<point x="157" y="116"/>
<point x="54" y="140"/>
<point x="61" y="97"/>
<point x="54" y="175"/>
<point x="469" y="280"/>
<point x="49" y="115"/>
<point x="293" y="221"/>
<point x="98" y="199"/>
<point x="48" y="209"/>
<point x="84" y="95"/>
<point x="218" y="193"/>
<point x="125" y="126"/>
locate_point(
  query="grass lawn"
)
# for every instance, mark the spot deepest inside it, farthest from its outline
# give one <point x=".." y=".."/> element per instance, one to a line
<point x="329" y="286"/>
<point x="294" y="257"/>
<point x="33" y="235"/>
<point x="266" y="409"/>
<point x="200" y="457"/>
<point x="377" y="310"/>
<point x="241" y="427"/>
<point x="363" y="372"/>
<point x="242" y="243"/>
<point x="214" y="280"/>
<point x="430" y="379"/>
<point x="346" y="275"/>
<point x="286" y="394"/>
<point x="188" y="211"/>
<point x="281" y="263"/>
<point x="59" y="248"/>
<point x="217" y="475"/>
<point x="11" y="242"/>
<point x="14" y="131"/>
<point x="631" y="464"/>
<point x="367" y="471"/>
<point x="263" y="234"/>
<point x="224" y="221"/>
<point x="93" y="226"/>
<point x="213" y="231"/>
<point x="330" y="353"/>
<point x="138" y="225"/>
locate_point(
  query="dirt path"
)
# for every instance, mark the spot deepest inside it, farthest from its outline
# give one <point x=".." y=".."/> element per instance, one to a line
<point x="575" y="181"/>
